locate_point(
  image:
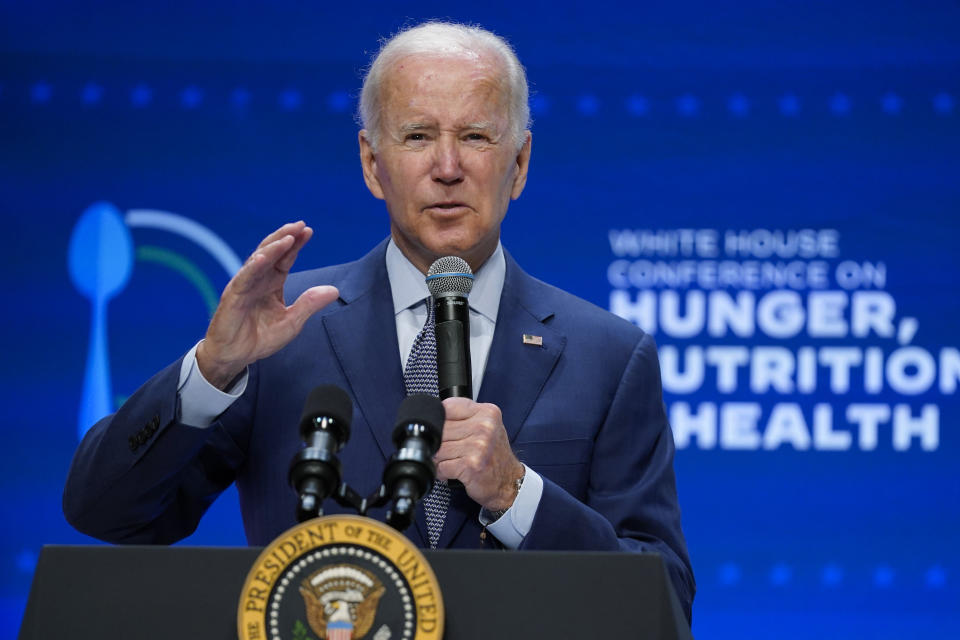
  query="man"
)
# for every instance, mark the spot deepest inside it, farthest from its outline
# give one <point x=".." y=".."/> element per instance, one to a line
<point x="567" y="445"/>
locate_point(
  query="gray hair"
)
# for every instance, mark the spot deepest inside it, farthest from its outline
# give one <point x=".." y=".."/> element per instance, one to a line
<point x="445" y="39"/>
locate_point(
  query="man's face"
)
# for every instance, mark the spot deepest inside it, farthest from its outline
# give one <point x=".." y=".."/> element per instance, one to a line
<point x="446" y="166"/>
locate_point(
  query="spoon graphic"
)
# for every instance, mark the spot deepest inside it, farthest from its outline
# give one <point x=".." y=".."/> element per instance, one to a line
<point x="100" y="259"/>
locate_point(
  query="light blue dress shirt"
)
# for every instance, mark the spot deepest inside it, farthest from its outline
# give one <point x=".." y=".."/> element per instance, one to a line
<point x="201" y="402"/>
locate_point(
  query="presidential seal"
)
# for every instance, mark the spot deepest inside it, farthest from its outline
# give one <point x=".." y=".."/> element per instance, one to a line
<point x="340" y="578"/>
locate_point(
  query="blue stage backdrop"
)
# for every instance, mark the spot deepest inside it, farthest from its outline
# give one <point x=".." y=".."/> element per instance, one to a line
<point x="771" y="190"/>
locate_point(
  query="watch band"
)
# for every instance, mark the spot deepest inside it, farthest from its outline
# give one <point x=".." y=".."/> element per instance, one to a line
<point x="496" y="515"/>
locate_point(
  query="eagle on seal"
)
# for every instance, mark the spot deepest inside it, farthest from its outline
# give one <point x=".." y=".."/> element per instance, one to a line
<point x="341" y="601"/>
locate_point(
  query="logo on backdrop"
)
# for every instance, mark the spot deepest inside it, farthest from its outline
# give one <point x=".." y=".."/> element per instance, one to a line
<point x="780" y="314"/>
<point x="341" y="578"/>
<point x="101" y="257"/>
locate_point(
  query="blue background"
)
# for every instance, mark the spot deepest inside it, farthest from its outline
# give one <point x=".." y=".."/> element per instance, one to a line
<point x="736" y="116"/>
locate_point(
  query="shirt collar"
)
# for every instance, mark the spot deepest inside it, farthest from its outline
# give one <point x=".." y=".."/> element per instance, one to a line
<point x="409" y="288"/>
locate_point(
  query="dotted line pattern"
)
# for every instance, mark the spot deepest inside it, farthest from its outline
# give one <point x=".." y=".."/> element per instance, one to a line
<point x="688" y="105"/>
<point x="832" y="575"/>
<point x="728" y="574"/>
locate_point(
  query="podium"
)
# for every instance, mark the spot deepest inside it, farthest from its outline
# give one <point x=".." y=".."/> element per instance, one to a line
<point x="149" y="593"/>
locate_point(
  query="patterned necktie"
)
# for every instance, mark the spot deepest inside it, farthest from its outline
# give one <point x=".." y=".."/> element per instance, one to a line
<point x="420" y="376"/>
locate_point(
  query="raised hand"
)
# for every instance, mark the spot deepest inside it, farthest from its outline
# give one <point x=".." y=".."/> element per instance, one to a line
<point x="252" y="320"/>
<point x="476" y="451"/>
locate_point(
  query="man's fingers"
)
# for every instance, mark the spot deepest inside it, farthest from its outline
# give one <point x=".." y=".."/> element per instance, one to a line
<point x="289" y="229"/>
<point x="458" y="430"/>
<point x="460" y="408"/>
<point x="467" y="419"/>
<point x="449" y="470"/>
<point x="285" y="263"/>
<point x="262" y="264"/>
<point x="311" y="301"/>
<point x="279" y="255"/>
<point x="455" y="450"/>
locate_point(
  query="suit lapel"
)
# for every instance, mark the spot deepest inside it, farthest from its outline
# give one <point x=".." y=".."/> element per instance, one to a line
<point x="363" y="335"/>
<point x="515" y="373"/>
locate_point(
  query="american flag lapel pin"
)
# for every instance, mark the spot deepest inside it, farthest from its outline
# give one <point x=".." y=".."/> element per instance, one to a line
<point x="537" y="341"/>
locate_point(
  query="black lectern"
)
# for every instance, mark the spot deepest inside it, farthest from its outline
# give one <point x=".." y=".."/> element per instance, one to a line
<point x="192" y="592"/>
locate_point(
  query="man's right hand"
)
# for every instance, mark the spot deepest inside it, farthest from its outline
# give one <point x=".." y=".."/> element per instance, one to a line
<point x="252" y="320"/>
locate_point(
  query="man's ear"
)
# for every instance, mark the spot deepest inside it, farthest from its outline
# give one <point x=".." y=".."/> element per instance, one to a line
<point x="523" y="164"/>
<point x="368" y="162"/>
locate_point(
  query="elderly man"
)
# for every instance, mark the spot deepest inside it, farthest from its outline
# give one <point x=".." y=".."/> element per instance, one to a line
<point x="567" y="445"/>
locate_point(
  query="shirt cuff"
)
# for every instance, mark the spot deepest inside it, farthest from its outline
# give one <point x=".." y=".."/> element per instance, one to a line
<point x="200" y="401"/>
<point x="511" y="528"/>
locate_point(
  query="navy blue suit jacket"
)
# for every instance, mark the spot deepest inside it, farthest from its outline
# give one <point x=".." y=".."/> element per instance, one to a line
<point x="584" y="410"/>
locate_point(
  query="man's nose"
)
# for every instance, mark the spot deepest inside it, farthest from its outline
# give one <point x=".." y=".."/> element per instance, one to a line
<point x="446" y="163"/>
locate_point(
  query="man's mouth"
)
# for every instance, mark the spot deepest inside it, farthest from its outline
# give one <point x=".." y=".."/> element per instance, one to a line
<point x="447" y="205"/>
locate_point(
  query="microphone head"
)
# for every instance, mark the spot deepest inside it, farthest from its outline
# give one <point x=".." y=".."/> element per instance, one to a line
<point x="328" y="401"/>
<point x="449" y="275"/>
<point x="423" y="409"/>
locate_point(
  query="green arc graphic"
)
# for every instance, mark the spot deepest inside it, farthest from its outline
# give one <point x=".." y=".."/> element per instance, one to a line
<point x="184" y="267"/>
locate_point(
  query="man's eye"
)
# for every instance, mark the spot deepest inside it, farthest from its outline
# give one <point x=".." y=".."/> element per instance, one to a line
<point x="477" y="137"/>
<point x="416" y="137"/>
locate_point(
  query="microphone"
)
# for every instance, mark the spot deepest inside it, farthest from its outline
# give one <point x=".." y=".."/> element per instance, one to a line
<point x="450" y="280"/>
<point x="410" y="472"/>
<point x="315" y="469"/>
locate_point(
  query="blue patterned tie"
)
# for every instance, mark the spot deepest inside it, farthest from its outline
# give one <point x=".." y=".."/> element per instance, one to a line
<point x="420" y="376"/>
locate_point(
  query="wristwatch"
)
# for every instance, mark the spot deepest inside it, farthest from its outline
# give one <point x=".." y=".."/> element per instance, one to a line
<point x="493" y="516"/>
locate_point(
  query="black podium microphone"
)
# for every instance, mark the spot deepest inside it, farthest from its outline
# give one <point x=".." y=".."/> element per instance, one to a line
<point x="450" y="280"/>
<point x="410" y="472"/>
<point x="315" y="469"/>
